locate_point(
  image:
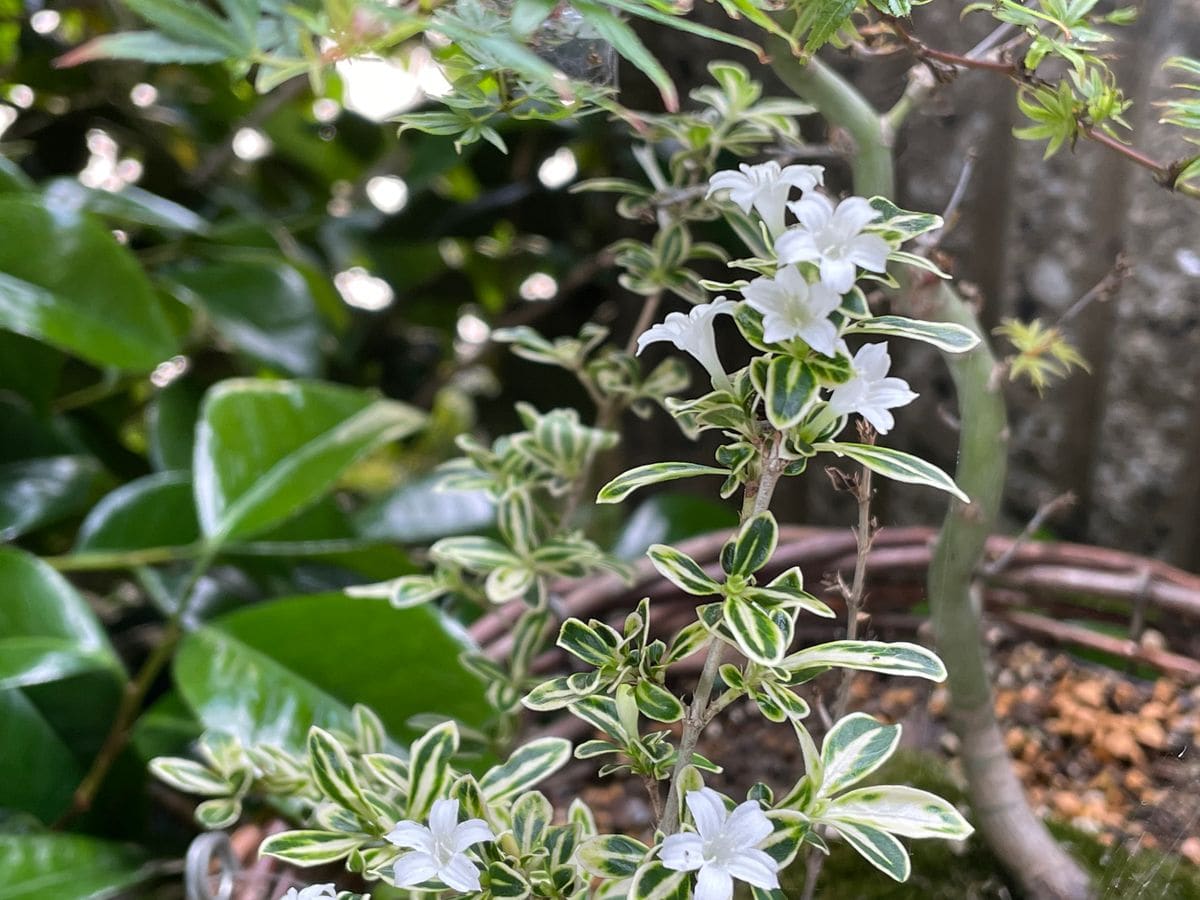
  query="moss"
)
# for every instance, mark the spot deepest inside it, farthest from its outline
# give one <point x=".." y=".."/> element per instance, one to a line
<point x="969" y="871"/>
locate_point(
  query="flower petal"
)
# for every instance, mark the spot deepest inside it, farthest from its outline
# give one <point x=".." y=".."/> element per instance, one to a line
<point x="747" y="825"/>
<point x="869" y="251"/>
<point x="838" y="274"/>
<point x="713" y="883"/>
<point x="411" y="836"/>
<point x="853" y="215"/>
<point x="682" y="852"/>
<point x="460" y="874"/>
<point x="796" y="246"/>
<point x="814" y="211"/>
<point x="821" y="336"/>
<point x="872" y="361"/>
<point x="414" y="868"/>
<point x="708" y="812"/>
<point x="881" y="420"/>
<point x="443" y="818"/>
<point x="472" y="831"/>
<point x="754" y="867"/>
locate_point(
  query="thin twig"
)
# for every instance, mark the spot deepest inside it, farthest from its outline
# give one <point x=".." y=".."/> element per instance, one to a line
<point x="1103" y="289"/>
<point x="1044" y="512"/>
<point x="854" y="594"/>
<point x="927" y="243"/>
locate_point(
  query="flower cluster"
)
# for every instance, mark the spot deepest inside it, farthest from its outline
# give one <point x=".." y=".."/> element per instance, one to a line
<point x="817" y="262"/>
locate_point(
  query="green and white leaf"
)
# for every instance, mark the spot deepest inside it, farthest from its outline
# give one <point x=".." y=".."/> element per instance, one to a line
<point x="788" y="388"/>
<point x="896" y="465"/>
<point x="311" y="847"/>
<point x="902" y="810"/>
<point x="611" y="856"/>
<point x="624" y="485"/>
<point x="899" y="658"/>
<point x="944" y="335"/>
<point x="854" y="748"/>
<point x="756" y="633"/>
<point x="528" y="765"/>
<point x="752" y="546"/>
<point x="877" y="847"/>
<point x="429" y="768"/>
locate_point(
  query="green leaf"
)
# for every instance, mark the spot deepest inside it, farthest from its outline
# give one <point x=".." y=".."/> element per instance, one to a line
<point x="896" y="465"/>
<point x="877" y="847"/>
<point x="898" y="8"/>
<point x="146" y="46"/>
<point x="476" y="554"/>
<point x="529" y="764"/>
<point x="37" y="492"/>
<point x="220" y="812"/>
<point x="267" y="449"/>
<point x="527" y="15"/>
<point x="65" y="280"/>
<point x="854" y="748"/>
<point x="897" y="658"/>
<point x="682" y="571"/>
<point x="418" y="513"/>
<point x="756" y="633"/>
<point x="788" y="388"/>
<point x="624" y="485"/>
<point x="269" y="672"/>
<point x="31" y="745"/>
<point x="751" y="547"/>
<point x="944" y="335"/>
<point x="187" y="21"/>
<point x="828" y="17"/>
<point x="580" y="640"/>
<point x="153" y="511"/>
<point x="13" y="179"/>
<point x="531" y="814"/>
<point x="261" y="305"/>
<point x="67" y="867"/>
<point x="626" y="42"/>
<point x="897" y="809"/>
<point x="130" y="206"/>
<point x="310" y="847"/>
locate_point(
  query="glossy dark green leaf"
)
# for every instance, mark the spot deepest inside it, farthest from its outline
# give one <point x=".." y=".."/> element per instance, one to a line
<point x="267" y="449"/>
<point x="261" y="305"/>
<point x="154" y="511"/>
<point x="29" y="369"/>
<point x="29" y="744"/>
<point x="269" y="672"/>
<point x="171" y="425"/>
<point x="67" y="867"/>
<point x="130" y="206"/>
<point x="37" y="492"/>
<point x="12" y="178"/>
<point x="65" y="280"/>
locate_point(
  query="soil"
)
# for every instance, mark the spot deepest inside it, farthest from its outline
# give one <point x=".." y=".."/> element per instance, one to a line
<point x="1111" y="754"/>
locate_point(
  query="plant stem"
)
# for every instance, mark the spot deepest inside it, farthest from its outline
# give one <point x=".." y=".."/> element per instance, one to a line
<point x="132" y="697"/>
<point x="121" y="559"/>
<point x="756" y="499"/>
<point x="1017" y="836"/>
<point x="864" y="536"/>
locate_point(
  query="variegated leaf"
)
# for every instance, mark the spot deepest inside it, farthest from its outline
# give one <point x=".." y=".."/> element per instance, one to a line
<point x="854" y="748"/>
<point x="944" y="335"/>
<point x="656" y="702"/>
<point x="528" y="764"/>
<point x="654" y="881"/>
<point x="531" y="814"/>
<point x="474" y="553"/>
<point x="506" y="882"/>
<point x="220" y="812"/>
<point x="388" y="769"/>
<point x="624" y="485"/>
<point x="877" y="847"/>
<point x="751" y="547"/>
<point x="334" y="773"/>
<point x="755" y="632"/>
<point x="899" y="658"/>
<point x="788" y="388"/>
<point x="896" y="465"/>
<point x="190" y="777"/>
<point x="682" y="571"/>
<point x="552" y="694"/>
<point x="311" y="848"/>
<point x="906" y="811"/>
<point x="506" y="583"/>
<point x="429" y="768"/>
<point x="611" y="856"/>
<point x="584" y="642"/>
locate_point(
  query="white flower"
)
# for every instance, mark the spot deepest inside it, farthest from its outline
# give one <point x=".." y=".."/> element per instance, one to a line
<point x="869" y="392"/>
<point x="313" y="892"/>
<point x="725" y="848"/>
<point x="833" y="239"/>
<point x="766" y="187"/>
<point x="437" y="851"/>
<point x="693" y="333"/>
<point x="793" y="308"/>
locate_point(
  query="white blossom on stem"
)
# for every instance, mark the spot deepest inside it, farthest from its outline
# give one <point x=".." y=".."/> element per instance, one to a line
<point x="766" y="188"/>
<point x="439" y="850"/>
<point x="793" y="308"/>
<point x="870" y="392"/>
<point x="312" y="892"/>
<point x="725" y="847"/>
<point x="832" y="237"/>
<point x="693" y="333"/>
